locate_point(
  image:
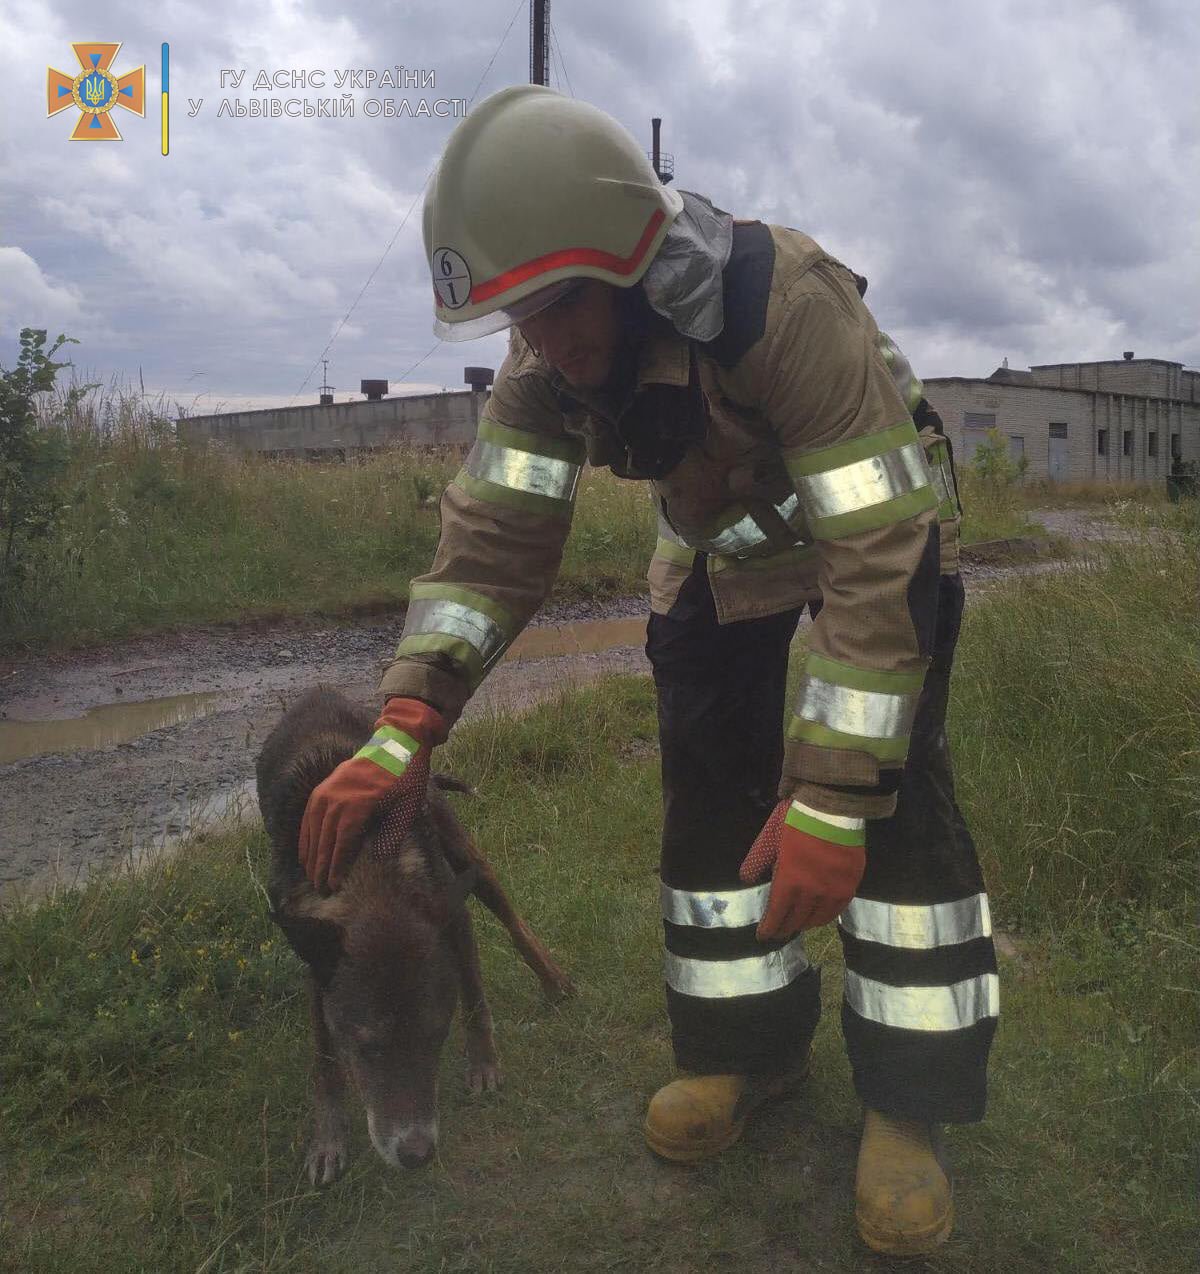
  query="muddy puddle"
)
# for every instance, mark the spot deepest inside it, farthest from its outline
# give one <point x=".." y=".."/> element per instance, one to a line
<point x="137" y="773"/>
<point x="120" y="722"/>
<point x="100" y="727"/>
<point x="578" y="639"/>
<point x="112" y="754"/>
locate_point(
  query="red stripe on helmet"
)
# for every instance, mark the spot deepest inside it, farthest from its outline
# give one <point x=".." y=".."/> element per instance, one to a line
<point x="569" y="256"/>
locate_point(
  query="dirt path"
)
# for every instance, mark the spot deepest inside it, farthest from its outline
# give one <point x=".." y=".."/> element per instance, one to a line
<point x="122" y="749"/>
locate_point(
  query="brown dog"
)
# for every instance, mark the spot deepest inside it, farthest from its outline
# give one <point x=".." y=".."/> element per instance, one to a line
<point x="386" y="954"/>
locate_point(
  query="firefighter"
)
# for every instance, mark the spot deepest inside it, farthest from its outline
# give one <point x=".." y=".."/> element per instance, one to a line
<point x="793" y="462"/>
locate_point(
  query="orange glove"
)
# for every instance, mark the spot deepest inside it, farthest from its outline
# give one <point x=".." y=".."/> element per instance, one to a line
<point x="393" y="767"/>
<point x="818" y="860"/>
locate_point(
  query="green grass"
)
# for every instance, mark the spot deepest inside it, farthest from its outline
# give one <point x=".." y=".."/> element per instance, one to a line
<point x="1040" y="492"/>
<point x="992" y="511"/>
<point x="152" y="533"/>
<point x="153" y="1046"/>
<point x="1078" y="692"/>
<point x="1154" y="512"/>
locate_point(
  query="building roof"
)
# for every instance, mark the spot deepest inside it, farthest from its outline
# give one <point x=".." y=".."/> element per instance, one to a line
<point x="1010" y="376"/>
<point x="1104" y="362"/>
<point x="300" y="407"/>
<point x="990" y="382"/>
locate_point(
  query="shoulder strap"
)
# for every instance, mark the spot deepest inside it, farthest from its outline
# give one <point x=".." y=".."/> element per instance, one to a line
<point x="746" y="289"/>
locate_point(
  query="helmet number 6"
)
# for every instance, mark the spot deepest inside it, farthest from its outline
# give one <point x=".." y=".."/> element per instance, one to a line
<point x="451" y="278"/>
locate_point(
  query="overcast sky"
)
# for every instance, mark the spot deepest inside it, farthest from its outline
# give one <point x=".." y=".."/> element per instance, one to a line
<point x="1015" y="179"/>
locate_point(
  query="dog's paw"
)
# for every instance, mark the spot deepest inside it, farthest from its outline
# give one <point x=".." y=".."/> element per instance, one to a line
<point x="483" y="1075"/>
<point x="326" y="1159"/>
<point x="557" y="986"/>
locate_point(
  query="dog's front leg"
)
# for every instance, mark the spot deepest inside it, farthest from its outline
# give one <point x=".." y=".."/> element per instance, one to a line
<point x="483" y="1064"/>
<point x="326" y="1157"/>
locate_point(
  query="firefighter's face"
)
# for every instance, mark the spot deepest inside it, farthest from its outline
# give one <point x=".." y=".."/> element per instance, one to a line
<point x="579" y="334"/>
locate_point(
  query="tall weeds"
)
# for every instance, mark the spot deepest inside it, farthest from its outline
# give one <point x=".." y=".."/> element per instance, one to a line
<point x="153" y="532"/>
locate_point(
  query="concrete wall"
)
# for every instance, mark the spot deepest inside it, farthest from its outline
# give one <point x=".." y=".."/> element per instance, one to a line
<point x="1026" y="412"/>
<point x="422" y="420"/>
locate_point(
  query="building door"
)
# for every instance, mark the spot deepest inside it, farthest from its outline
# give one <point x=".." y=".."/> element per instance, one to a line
<point x="975" y="427"/>
<point x="1056" y="457"/>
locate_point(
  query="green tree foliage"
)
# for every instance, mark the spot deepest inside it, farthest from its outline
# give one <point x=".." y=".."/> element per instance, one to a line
<point x="994" y="465"/>
<point x="32" y="457"/>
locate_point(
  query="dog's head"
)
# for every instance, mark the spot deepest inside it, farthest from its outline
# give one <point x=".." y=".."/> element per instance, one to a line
<point x="381" y="951"/>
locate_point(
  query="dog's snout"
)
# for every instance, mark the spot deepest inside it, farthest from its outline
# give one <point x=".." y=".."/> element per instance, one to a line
<point x="408" y="1145"/>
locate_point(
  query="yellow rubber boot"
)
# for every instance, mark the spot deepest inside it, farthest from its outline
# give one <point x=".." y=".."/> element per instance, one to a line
<point x="903" y="1198"/>
<point x="698" y="1116"/>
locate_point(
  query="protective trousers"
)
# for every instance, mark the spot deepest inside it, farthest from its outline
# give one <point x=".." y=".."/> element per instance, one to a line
<point x="921" y="998"/>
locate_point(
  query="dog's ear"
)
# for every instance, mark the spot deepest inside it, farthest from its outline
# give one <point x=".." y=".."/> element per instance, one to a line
<point x="313" y="928"/>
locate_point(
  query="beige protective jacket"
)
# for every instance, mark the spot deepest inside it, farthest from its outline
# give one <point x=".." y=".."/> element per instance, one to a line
<point x="804" y="478"/>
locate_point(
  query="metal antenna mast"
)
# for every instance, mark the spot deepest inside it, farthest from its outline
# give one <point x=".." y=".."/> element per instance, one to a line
<point x="539" y="45"/>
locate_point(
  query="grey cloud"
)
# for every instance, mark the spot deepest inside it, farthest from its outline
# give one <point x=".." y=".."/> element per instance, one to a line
<point x="1011" y="178"/>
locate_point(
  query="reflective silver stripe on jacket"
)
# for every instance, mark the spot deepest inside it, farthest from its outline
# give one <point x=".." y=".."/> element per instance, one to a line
<point x="745" y="538"/>
<point x="911" y="389"/>
<point x="864" y="483"/>
<point x="792" y="512"/>
<point x="454" y="619"/>
<point x="740" y="538"/>
<point x="724" y="979"/>
<point x="924" y="1008"/>
<point x="523" y="470"/>
<point x="944" y="924"/>
<point x="714" y="908"/>
<point x="938" y="459"/>
<point x="667" y="532"/>
<point x="871" y="714"/>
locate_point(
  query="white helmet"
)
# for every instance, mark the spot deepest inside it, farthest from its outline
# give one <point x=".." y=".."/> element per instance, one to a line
<point x="536" y="190"/>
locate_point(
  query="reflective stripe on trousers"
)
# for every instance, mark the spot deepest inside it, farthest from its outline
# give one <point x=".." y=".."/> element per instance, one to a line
<point x="921" y="993"/>
<point x="734" y="1003"/>
<point x="920" y="985"/>
<point x="714" y="978"/>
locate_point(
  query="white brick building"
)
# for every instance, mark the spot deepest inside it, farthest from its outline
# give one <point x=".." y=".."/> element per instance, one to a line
<point x="1122" y="420"/>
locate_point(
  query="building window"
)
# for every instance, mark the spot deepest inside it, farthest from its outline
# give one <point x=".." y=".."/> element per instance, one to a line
<point x="1127" y="443"/>
<point x="979" y="420"/>
<point x="1175" y="451"/>
<point x="1102" y="442"/>
<point x="1058" y="430"/>
<point x="1152" y="443"/>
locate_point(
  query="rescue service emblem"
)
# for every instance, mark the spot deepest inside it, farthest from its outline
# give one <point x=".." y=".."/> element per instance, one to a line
<point x="451" y="278"/>
<point x="95" y="91"/>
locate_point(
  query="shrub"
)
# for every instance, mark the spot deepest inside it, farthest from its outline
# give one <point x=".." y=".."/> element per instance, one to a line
<point x="32" y="458"/>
